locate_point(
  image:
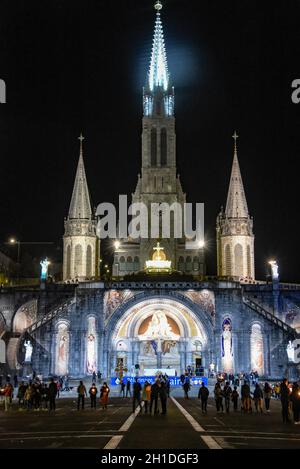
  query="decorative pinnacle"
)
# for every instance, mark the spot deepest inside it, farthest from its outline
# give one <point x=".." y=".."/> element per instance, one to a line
<point x="158" y="6"/>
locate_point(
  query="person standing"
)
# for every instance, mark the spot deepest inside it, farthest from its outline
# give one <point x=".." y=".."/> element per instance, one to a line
<point x="246" y="397"/>
<point x="8" y="394"/>
<point x="154" y="397"/>
<point x="81" y="390"/>
<point x="104" y="393"/>
<point x="267" y="396"/>
<point x="234" y="398"/>
<point x="146" y="395"/>
<point x="94" y="377"/>
<point x="186" y="387"/>
<point x="295" y="399"/>
<point x="163" y="397"/>
<point x="258" y="397"/>
<point x="218" y="397"/>
<point x="128" y="387"/>
<point x="203" y="395"/>
<point x="93" y="395"/>
<point x="122" y="390"/>
<point x="21" y="394"/>
<point x="137" y="388"/>
<point x="15" y="381"/>
<point x="52" y="392"/>
<point x="284" y="398"/>
<point x="227" y="391"/>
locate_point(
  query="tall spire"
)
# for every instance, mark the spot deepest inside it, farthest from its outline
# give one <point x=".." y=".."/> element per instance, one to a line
<point x="158" y="73"/>
<point x="80" y="207"/>
<point x="236" y="206"/>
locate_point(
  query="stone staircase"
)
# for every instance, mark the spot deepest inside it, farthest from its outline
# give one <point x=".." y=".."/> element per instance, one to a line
<point x="271" y="317"/>
<point x="53" y="313"/>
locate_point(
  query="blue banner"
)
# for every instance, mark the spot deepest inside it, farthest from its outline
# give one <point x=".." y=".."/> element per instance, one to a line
<point x="174" y="380"/>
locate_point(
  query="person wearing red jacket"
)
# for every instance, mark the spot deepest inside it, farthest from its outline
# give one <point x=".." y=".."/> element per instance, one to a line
<point x="8" y="394"/>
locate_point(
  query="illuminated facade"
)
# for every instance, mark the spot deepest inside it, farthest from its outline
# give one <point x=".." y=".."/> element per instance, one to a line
<point x="128" y="326"/>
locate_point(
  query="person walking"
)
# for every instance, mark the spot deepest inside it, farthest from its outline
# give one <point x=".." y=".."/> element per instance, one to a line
<point x="227" y="392"/>
<point x="284" y="398"/>
<point x="218" y="397"/>
<point x="246" y="398"/>
<point x="28" y="396"/>
<point x="52" y="393"/>
<point x="295" y="399"/>
<point x="128" y="387"/>
<point x="15" y="381"/>
<point x="8" y="395"/>
<point x="81" y="390"/>
<point x="267" y="396"/>
<point x="154" y="397"/>
<point x="235" y="398"/>
<point x="93" y="395"/>
<point x="104" y="393"/>
<point x="137" y="388"/>
<point x="258" y="397"/>
<point x="186" y="387"/>
<point x="203" y="395"/>
<point x="163" y="394"/>
<point x="146" y="395"/>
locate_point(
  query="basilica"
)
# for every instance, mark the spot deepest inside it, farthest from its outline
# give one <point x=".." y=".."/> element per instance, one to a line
<point x="160" y="311"/>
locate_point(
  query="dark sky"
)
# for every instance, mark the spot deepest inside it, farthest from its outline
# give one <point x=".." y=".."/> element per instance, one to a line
<point x="80" y="65"/>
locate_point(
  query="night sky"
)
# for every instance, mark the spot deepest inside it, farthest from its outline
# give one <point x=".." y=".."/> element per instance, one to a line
<point x="73" y="66"/>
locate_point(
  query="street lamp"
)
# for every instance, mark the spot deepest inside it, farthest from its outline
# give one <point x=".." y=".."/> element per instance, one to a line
<point x="274" y="269"/>
<point x="117" y="245"/>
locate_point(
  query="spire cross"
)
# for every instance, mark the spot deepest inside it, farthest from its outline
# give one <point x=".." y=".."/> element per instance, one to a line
<point x="158" y="6"/>
<point x="81" y="138"/>
<point x="158" y="248"/>
<point x="235" y="137"/>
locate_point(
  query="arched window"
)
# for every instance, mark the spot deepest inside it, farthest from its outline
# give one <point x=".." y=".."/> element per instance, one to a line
<point x="249" y="273"/>
<point x="188" y="264"/>
<point x="238" y="260"/>
<point x="227" y="260"/>
<point x="163" y="147"/>
<point x="89" y="261"/>
<point x="136" y="264"/>
<point x="78" y="260"/>
<point x="257" y="349"/>
<point x="196" y="263"/>
<point x="153" y="147"/>
<point x="122" y="263"/>
<point x="129" y="266"/>
<point x="181" y="264"/>
<point x="68" y="262"/>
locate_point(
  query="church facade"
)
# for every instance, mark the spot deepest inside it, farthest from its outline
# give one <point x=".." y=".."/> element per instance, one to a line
<point x="142" y="321"/>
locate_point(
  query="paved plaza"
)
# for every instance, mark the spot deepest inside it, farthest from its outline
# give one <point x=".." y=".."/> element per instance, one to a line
<point x="184" y="427"/>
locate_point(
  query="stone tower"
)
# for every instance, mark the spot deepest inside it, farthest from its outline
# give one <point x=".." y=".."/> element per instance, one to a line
<point x="158" y="182"/>
<point x="235" y="238"/>
<point x="80" y="241"/>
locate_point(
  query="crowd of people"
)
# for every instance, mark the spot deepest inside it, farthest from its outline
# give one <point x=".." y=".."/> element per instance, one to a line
<point x="229" y="397"/>
<point x="153" y="398"/>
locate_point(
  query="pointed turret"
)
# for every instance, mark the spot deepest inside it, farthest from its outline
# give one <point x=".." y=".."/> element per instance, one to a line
<point x="80" y="206"/>
<point x="81" y="247"/>
<point x="236" y="206"/>
<point x="235" y="239"/>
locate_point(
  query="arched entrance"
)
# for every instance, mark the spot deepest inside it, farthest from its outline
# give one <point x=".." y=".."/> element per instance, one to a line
<point x="157" y="333"/>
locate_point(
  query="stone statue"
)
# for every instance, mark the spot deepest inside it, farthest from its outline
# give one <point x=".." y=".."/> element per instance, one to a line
<point x="44" y="271"/>
<point x="29" y="350"/>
